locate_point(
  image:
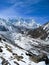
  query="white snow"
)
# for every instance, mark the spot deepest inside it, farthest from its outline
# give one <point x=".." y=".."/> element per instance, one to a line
<point x="31" y="24"/>
<point x="8" y="55"/>
<point x="41" y="63"/>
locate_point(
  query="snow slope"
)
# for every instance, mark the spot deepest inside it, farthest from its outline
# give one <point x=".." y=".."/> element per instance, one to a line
<point x="14" y="56"/>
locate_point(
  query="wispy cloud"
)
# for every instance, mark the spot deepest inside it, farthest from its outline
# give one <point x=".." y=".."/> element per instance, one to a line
<point x="25" y="8"/>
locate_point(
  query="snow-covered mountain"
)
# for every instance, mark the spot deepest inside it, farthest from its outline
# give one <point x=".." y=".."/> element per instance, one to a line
<point x="31" y="24"/>
<point x="20" y="22"/>
<point x="22" y="42"/>
<point x="28" y="26"/>
<point x="17" y="25"/>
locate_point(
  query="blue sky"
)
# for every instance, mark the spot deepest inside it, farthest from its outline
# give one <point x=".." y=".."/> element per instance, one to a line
<point x="37" y="9"/>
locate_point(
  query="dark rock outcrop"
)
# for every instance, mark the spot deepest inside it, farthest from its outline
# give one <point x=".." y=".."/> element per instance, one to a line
<point x="38" y="33"/>
<point x="38" y="58"/>
<point x="1" y="50"/>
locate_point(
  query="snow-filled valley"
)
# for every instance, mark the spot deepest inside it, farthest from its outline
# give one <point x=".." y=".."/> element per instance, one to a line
<point x="23" y="42"/>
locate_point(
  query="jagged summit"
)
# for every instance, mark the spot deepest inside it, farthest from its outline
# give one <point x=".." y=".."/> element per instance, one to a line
<point x="31" y="24"/>
<point x="28" y="23"/>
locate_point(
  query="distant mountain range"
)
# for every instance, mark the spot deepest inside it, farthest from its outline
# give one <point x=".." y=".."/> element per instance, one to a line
<point x="28" y="26"/>
<point x="28" y="23"/>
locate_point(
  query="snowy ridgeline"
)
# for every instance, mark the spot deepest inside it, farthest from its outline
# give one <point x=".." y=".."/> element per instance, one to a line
<point x="28" y="23"/>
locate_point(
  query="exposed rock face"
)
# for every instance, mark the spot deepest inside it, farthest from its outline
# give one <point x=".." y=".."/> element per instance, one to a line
<point x="41" y="57"/>
<point x="16" y="63"/>
<point x="5" y="62"/>
<point x="1" y="50"/>
<point x="3" y="28"/>
<point x="17" y="57"/>
<point x="38" y="33"/>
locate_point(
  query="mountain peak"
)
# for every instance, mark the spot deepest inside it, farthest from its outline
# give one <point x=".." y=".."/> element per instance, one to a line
<point x="28" y="24"/>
